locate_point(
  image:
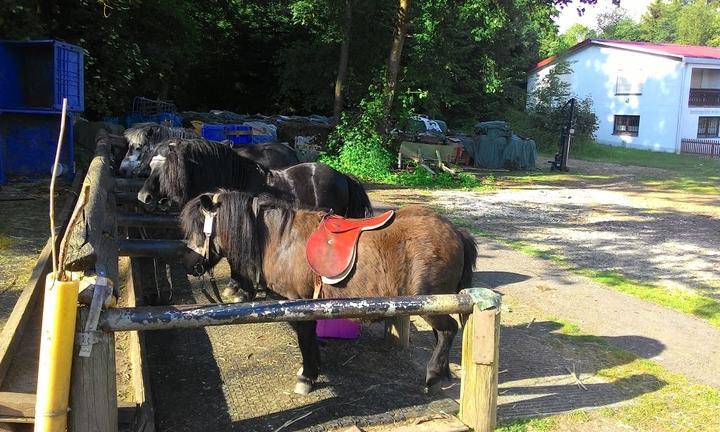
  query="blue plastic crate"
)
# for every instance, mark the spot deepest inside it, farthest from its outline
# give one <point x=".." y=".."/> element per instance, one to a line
<point x="28" y="142"/>
<point x="213" y="132"/>
<point x="262" y="139"/>
<point x="238" y="134"/>
<point x="37" y="75"/>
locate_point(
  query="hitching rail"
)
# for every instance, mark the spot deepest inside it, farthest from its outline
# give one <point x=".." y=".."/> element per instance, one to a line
<point x="192" y="316"/>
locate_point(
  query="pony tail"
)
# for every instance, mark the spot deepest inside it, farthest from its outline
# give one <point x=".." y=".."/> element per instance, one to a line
<point x="359" y="205"/>
<point x="469" y="257"/>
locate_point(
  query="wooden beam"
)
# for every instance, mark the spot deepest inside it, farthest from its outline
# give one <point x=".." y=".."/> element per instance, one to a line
<point x="13" y="330"/>
<point x="397" y="331"/>
<point x="20" y="408"/>
<point x="91" y="240"/>
<point x="17" y="404"/>
<point x="93" y="390"/>
<point x="480" y="358"/>
<point x="139" y="365"/>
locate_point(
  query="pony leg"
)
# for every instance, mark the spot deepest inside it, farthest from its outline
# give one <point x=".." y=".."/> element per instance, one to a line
<point x="445" y="328"/>
<point x="246" y="291"/>
<point x="307" y="375"/>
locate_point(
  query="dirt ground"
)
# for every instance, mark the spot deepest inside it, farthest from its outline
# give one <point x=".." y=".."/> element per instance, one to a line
<point x="614" y="223"/>
<point x="24" y="230"/>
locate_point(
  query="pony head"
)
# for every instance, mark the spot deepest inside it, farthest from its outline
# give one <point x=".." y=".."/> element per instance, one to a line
<point x="223" y="224"/>
<point x="167" y="183"/>
<point x="142" y="139"/>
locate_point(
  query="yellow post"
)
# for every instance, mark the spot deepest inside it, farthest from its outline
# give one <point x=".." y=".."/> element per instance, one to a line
<point x="56" y="349"/>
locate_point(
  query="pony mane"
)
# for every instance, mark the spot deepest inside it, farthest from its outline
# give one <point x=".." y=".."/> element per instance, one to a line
<point x="214" y="163"/>
<point x="237" y="227"/>
<point x="142" y="134"/>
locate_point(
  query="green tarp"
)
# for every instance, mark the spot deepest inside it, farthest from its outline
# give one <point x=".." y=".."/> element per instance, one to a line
<point x="495" y="146"/>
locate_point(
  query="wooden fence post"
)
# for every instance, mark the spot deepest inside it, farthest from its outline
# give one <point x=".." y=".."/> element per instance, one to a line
<point x="480" y="358"/>
<point x="397" y="331"/>
<point x="93" y="390"/>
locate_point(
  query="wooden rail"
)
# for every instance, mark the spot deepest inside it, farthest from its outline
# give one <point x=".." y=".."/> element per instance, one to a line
<point x="709" y="148"/>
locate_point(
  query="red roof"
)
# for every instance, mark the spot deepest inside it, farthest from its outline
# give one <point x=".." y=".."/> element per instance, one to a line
<point x="665" y="49"/>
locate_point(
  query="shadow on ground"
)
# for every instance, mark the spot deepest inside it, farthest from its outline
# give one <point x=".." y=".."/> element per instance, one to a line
<point x="240" y="378"/>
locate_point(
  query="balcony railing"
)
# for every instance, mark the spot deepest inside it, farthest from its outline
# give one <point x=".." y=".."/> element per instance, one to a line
<point x="704" y="97"/>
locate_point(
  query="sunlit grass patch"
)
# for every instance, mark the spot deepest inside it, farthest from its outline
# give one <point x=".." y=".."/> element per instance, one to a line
<point x="5" y="242"/>
<point x="657" y="399"/>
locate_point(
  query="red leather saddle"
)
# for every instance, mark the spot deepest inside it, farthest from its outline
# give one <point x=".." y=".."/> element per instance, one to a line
<point x="332" y="248"/>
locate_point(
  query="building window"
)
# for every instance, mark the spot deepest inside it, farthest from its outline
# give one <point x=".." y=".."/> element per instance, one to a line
<point x="708" y="127"/>
<point x="626" y="125"/>
<point x="628" y="83"/>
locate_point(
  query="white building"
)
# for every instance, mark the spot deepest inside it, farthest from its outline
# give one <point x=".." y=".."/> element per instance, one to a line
<point x="646" y="96"/>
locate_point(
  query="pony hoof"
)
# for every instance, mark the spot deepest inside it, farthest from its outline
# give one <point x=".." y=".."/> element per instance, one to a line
<point x="303" y="388"/>
<point x="229" y="292"/>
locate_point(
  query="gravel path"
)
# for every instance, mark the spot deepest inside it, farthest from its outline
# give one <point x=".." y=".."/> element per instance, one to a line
<point x="601" y="229"/>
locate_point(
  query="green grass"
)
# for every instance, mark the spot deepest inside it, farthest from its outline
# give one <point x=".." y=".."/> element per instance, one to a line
<point x="693" y="166"/>
<point x="5" y="242"/>
<point x="659" y="400"/>
<point x="684" y="172"/>
<point x="691" y="303"/>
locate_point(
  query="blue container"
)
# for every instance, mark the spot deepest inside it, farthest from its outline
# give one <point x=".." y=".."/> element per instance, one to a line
<point x="37" y="75"/>
<point x="28" y="142"/>
<point x="262" y="139"/>
<point x="213" y="132"/>
<point x="238" y="134"/>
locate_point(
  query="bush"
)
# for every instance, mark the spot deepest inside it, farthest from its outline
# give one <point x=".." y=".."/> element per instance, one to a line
<point x="358" y="147"/>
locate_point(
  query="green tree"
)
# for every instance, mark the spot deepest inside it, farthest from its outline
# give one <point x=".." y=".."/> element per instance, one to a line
<point x="698" y="23"/>
<point x="616" y="24"/>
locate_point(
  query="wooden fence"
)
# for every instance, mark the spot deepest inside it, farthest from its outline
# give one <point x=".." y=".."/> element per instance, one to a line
<point x="94" y="240"/>
<point x="700" y="147"/>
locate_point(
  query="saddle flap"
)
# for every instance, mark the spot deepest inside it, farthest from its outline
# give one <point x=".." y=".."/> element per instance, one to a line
<point x="339" y="224"/>
<point x="332" y="248"/>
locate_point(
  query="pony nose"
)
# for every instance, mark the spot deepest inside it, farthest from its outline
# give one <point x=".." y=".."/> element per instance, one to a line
<point x="145" y="197"/>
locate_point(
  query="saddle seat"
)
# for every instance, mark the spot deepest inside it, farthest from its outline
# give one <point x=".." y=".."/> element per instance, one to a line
<point x="332" y="248"/>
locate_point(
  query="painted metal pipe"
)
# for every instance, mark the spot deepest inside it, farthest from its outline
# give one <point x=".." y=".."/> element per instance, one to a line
<point x="56" y="350"/>
<point x="147" y="220"/>
<point x="193" y="316"/>
<point x="150" y="248"/>
<point x="126" y="197"/>
<point x="132" y="184"/>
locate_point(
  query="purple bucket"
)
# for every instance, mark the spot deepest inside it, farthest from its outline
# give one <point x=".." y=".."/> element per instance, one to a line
<point x="338" y="329"/>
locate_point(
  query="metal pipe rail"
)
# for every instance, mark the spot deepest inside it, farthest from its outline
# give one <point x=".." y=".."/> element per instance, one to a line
<point x="147" y="220"/>
<point x="150" y="248"/>
<point x="193" y="316"/>
<point x="129" y="183"/>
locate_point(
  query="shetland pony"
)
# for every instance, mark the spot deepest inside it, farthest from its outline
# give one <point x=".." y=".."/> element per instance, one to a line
<point x="184" y="168"/>
<point x="143" y="138"/>
<point x="264" y="239"/>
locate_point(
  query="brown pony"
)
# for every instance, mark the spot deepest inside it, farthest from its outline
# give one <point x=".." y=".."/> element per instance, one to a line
<point x="264" y="239"/>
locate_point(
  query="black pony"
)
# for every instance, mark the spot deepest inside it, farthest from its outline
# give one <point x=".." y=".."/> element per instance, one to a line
<point x="419" y="253"/>
<point x="144" y="137"/>
<point x="184" y="168"/>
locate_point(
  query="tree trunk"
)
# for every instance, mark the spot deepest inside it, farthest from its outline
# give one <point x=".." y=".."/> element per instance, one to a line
<point x="396" y="50"/>
<point x="342" y="67"/>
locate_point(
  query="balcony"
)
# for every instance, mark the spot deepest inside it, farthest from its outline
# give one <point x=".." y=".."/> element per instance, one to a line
<point x="703" y="97"/>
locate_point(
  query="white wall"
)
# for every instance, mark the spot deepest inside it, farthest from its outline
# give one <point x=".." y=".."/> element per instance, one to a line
<point x="595" y="73"/>
<point x="690" y="115"/>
